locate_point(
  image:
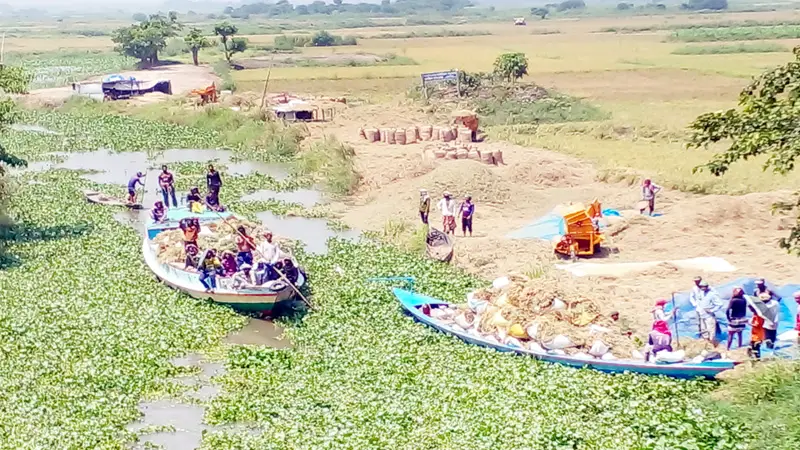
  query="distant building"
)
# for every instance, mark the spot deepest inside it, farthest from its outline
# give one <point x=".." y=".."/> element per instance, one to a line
<point x="519" y="21"/>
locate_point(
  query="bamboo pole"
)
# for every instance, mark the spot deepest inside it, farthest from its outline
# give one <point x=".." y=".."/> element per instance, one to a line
<point x="266" y="81"/>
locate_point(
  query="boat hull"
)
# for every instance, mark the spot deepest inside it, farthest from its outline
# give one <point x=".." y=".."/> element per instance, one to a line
<point x="260" y="300"/>
<point x="411" y="303"/>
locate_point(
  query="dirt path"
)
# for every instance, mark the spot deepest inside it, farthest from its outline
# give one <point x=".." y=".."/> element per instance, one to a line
<point x="184" y="79"/>
<point x="739" y="229"/>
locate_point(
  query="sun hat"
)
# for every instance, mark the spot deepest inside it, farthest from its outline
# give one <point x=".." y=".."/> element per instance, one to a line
<point x="703" y="284"/>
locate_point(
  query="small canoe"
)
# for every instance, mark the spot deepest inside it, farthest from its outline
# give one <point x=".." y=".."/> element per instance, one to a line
<point x="439" y="246"/>
<point x="413" y="302"/>
<point x="102" y="199"/>
<point x="258" y="299"/>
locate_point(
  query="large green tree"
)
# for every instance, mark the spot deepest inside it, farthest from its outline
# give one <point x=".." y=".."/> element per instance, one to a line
<point x="196" y="40"/>
<point x="767" y="122"/>
<point x="230" y="45"/>
<point x="511" y="66"/>
<point x="145" y="39"/>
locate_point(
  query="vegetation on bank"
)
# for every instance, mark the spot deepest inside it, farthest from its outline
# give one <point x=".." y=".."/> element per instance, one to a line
<point x="760" y="47"/>
<point x="736" y="33"/>
<point x="691" y="26"/>
<point x="430" y="34"/>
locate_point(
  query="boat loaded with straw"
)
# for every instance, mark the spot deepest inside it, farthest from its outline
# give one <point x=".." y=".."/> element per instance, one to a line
<point x="536" y="317"/>
<point x="164" y="254"/>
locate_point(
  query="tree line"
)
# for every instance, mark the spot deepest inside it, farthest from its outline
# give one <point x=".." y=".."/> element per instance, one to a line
<point x="318" y="7"/>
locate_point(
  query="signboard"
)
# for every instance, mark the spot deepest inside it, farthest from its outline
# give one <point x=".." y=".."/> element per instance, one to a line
<point x="451" y="75"/>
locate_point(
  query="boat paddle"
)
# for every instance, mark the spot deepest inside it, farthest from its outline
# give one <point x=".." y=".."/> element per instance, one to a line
<point x="283" y="277"/>
<point x="675" y="320"/>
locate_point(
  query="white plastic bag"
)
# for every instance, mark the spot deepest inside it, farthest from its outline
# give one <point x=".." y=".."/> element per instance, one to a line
<point x="670" y="357"/>
<point x="599" y="348"/>
<point x="532" y="330"/>
<point x="557" y="352"/>
<point x="558" y="305"/>
<point x="581" y="355"/>
<point x="535" y="347"/>
<point x="513" y="342"/>
<point x="501" y="283"/>
<point x="790" y="335"/>
<point x="608" y="356"/>
<point x="636" y="354"/>
<point x="597" y="329"/>
<point x="560" y="342"/>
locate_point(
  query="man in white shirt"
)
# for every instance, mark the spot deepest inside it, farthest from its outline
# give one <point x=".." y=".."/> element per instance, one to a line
<point x="693" y="296"/>
<point x="447" y="206"/>
<point x="268" y="250"/>
<point x="708" y="304"/>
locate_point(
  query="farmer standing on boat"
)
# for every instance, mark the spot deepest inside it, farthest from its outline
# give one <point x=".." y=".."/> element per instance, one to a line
<point x="245" y="246"/>
<point x="136" y="179"/>
<point x="448" y="208"/>
<point x="649" y="191"/>
<point x="424" y="205"/>
<point x="191" y="230"/>
<point x="213" y="180"/>
<point x="167" y="183"/>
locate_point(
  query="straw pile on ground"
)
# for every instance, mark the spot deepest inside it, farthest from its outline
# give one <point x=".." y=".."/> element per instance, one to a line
<point x="218" y="236"/>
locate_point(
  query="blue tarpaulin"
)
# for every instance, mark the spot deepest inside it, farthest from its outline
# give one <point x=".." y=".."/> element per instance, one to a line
<point x="687" y="318"/>
<point x="549" y="227"/>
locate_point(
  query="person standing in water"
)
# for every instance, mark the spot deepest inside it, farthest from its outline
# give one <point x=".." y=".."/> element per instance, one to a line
<point x="424" y="205"/>
<point x="213" y="180"/>
<point x="136" y="179"/>
<point x="649" y="191"/>
<point x="466" y="210"/>
<point x="167" y="183"/>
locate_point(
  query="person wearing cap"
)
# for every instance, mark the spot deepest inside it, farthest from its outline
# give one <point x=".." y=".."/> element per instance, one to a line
<point x="658" y="311"/>
<point x="466" y="210"/>
<point x="771" y="318"/>
<point x="708" y="304"/>
<point x="136" y="179"/>
<point x="761" y="288"/>
<point x="448" y="208"/>
<point x="424" y="205"/>
<point x="649" y="191"/>
<point x="243" y="278"/>
<point x="693" y="296"/>
<point x="736" y="315"/>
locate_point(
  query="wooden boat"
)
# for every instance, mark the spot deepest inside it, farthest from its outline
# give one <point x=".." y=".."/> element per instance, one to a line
<point x="102" y="199"/>
<point x="413" y="303"/>
<point x="439" y="246"/>
<point x="259" y="299"/>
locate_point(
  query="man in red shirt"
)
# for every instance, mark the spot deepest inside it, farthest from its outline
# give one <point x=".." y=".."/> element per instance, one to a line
<point x="167" y="184"/>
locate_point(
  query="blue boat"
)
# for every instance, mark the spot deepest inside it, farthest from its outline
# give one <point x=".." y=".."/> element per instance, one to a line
<point x="413" y="303"/>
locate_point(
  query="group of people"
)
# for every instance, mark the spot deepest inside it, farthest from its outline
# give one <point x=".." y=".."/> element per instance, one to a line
<point x="708" y="304"/>
<point x="194" y="199"/>
<point x="237" y="268"/>
<point x="449" y="210"/>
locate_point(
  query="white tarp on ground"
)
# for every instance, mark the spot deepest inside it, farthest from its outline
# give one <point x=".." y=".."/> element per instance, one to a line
<point x="705" y="264"/>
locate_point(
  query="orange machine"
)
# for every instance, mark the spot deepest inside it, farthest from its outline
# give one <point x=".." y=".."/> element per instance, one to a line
<point x="207" y="95"/>
<point x="582" y="237"/>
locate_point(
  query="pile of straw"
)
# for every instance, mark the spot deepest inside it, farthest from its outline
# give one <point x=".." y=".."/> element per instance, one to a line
<point x="218" y="236"/>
